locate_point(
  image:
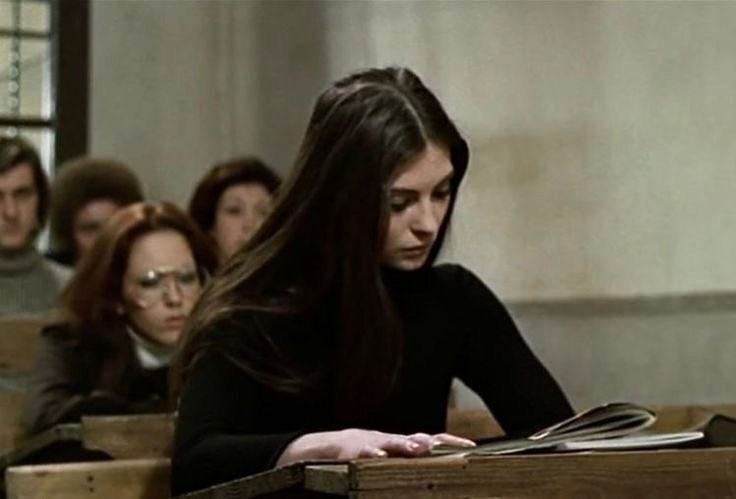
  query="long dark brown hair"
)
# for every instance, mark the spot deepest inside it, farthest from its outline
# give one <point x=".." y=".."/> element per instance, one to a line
<point x="319" y="251"/>
<point x="89" y="302"/>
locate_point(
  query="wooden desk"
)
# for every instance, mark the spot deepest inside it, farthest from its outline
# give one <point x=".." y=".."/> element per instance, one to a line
<point x="11" y="432"/>
<point x="643" y="474"/>
<point x="129" y="437"/>
<point x="18" y="341"/>
<point x="120" y="437"/>
<point x="138" y="444"/>
<point x="119" y="479"/>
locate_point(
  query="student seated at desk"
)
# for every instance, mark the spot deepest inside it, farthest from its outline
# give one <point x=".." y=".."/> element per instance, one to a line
<point x="122" y="315"/>
<point x="331" y="335"/>
<point x="29" y="283"/>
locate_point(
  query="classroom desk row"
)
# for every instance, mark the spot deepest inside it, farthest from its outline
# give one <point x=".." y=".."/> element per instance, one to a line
<point x="645" y="474"/>
<point x="139" y="446"/>
<point x="139" y="468"/>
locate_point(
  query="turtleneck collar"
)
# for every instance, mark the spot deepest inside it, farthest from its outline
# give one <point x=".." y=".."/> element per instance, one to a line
<point x="19" y="262"/>
<point x="396" y="279"/>
<point x="151" y="355"/>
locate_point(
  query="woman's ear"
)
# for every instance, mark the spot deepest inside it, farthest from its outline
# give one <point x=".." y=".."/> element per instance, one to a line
<point x="119" y="309"/>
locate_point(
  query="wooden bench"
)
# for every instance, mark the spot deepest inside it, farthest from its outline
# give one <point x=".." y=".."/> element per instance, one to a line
<point x="118" y="479"/>
<point x="139" y="444"/>
<point x="126" y="437"/>
<point x="18" y="341"/>
<point x="120" y="437"/>
<point x="11" y="432"/>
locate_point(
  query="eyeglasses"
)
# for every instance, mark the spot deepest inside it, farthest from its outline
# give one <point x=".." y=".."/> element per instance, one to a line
<point x="166" y="283"/>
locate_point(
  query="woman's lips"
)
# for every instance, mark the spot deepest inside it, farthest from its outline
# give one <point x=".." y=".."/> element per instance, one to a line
<point x="175" y="322"/>
<point x="415" y="252"/>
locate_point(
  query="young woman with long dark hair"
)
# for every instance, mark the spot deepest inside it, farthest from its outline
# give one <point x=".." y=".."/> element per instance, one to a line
<point x="333" y="336"/>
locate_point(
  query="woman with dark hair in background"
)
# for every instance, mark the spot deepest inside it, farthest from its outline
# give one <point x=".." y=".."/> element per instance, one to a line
<point x="232" y="200"/>
<point x="122" y="314"/>
<point x="332" y="335"/>
<point x="85" y="193"/>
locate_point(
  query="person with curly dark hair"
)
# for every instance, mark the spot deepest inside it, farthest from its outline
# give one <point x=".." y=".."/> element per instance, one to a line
<point x="85" y="193"/>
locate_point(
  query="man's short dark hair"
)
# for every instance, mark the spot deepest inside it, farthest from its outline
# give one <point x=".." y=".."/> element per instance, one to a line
<point x="15" y="151"/>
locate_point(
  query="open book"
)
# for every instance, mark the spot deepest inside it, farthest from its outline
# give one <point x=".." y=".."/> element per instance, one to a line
<point x="609" y="426"/>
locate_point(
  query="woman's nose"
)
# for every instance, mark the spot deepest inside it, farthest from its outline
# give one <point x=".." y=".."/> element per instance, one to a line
<point x="425" y="220"/>
<point x="9" y="207"/>
<point x="172" y="292"/>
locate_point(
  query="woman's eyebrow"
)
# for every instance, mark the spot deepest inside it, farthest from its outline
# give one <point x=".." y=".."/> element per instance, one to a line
<point x="446" y="179"/>
<point x="403" y="190"/>
<point x="407" y="191"/>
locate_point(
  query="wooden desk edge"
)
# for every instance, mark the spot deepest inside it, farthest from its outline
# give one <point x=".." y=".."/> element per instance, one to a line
<point x="59" y="433"/>
<point x="90" y="466"/>
<point x="271" y="481"/>
<point x="129" y="436"/>
<point x="346" y="478"/>
<point x="327" y="478"/>
<point x="372" y="473"/>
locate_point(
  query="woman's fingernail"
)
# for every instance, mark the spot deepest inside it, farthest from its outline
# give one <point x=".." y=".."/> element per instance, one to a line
<point x="380" y="453"/>
<point x="412" y="445"/>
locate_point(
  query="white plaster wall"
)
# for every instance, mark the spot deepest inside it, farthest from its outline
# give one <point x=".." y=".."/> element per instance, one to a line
<point x="179" y="85"/>
<point x="655" y="359"/>
<point x="157" y="95"/>
<point x="602" y="133"/>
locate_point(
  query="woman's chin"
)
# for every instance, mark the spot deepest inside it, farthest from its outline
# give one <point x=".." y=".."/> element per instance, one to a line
<point x="166" y="337"/>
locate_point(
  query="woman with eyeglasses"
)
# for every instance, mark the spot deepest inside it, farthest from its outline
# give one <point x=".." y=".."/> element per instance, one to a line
<point x="122" y="315"/>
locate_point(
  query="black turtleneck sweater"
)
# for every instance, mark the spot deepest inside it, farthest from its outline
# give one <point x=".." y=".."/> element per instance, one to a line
<point x="230" y="426"/>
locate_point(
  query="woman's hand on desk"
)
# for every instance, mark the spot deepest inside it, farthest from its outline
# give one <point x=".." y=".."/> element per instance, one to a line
<point x="357" y="443"/>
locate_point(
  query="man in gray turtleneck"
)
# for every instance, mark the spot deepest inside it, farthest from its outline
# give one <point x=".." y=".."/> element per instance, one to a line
<point x="29" y="283"/>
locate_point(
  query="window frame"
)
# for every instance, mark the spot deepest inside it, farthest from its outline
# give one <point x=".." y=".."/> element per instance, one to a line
<point x="69" y="58"/>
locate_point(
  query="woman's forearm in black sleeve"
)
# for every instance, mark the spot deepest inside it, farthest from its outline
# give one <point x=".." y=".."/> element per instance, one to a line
<point x="499" y="366"/>
<point x="217" y="439"/>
